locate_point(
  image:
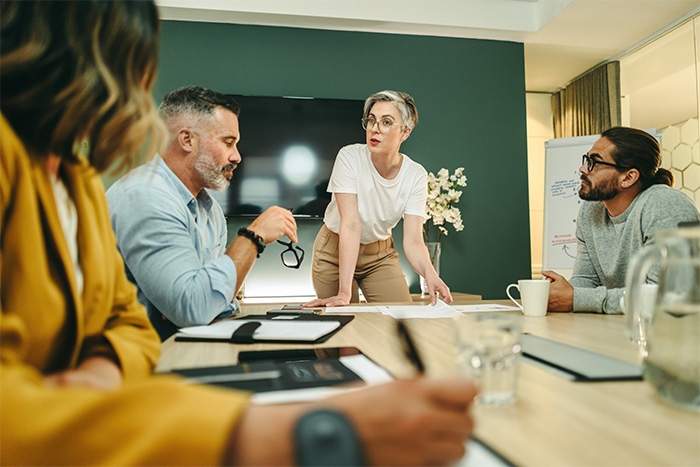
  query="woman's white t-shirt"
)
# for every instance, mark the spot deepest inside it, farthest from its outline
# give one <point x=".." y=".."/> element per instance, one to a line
<point x="381" y="203"/>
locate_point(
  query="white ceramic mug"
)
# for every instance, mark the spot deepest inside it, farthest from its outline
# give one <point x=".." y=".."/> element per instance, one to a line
<point x="534" y="295"/>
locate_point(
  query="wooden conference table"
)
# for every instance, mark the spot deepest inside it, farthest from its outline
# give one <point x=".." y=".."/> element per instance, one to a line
<point x="554" y="421"/>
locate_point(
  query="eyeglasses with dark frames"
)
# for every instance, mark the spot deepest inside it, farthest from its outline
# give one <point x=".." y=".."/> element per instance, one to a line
<point x="292" y="256"/>
<point x="591" y="163"/>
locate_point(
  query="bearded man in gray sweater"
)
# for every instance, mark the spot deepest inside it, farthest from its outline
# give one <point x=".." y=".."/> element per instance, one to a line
<point x="627" y="198"/>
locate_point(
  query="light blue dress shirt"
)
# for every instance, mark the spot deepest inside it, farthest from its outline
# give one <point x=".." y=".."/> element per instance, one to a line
<point x="173" y="246"/>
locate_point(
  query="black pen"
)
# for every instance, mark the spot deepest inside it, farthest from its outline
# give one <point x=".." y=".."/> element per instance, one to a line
<point x="409" y="347"/>
<point x="301" y="311"/>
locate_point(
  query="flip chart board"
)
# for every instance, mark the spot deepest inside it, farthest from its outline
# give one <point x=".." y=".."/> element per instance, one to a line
<point x="561" y="201"/>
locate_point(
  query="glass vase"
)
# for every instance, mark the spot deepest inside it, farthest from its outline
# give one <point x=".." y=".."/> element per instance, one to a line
<point x="434" y="253"/>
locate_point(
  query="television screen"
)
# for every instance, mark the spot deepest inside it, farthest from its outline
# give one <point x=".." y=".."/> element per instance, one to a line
<point x="288" y="146"/>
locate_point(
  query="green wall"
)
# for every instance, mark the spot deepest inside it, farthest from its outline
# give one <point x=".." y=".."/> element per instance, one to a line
<point x="471" y="101"/>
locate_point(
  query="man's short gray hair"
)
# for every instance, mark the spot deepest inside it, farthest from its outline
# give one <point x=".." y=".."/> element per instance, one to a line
<point x="403" y="102"/>
<point x="196" y="101"/>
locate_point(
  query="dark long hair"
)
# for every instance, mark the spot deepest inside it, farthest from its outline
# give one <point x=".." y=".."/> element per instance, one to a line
<point x="77" y="70"/>
<point x="638" y="149"/>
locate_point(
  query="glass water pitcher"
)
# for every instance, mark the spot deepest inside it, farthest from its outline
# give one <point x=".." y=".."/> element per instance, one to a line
<point x="671" y="335"/>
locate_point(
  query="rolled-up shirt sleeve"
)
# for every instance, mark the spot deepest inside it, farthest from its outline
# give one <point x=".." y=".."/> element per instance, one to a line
<point x="178" y="265"/>
<point x="416" y="203"/>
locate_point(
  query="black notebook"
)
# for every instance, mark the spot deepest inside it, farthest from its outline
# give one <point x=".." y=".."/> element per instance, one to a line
<point x="579" y="364"/>
<point x="300" y="329"/>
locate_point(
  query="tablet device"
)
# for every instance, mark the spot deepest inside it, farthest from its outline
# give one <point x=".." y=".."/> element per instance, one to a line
<point x="279" y="370"/>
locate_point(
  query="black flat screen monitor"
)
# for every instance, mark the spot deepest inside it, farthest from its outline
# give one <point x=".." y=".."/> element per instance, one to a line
<point x="288" y="146"/>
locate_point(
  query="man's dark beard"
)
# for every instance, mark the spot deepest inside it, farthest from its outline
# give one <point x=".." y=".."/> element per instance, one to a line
<point x="604" y="191"/>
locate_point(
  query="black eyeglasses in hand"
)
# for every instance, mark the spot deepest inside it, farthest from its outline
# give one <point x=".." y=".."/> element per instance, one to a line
<point x="292" y="256"/>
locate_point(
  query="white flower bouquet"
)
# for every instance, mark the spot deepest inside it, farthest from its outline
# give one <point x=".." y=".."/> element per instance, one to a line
<point x="443" y="193"/>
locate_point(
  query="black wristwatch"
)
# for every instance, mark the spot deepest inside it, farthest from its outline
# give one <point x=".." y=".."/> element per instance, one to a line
<point x="255" y="238"/>
<point x="326" y="438"/>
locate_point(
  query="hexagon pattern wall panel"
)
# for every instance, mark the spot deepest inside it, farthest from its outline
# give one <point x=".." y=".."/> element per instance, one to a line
<point x="681" y="155"/>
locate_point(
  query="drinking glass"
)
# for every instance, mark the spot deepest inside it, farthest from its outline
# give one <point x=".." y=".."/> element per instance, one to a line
<point x="488" y="346"/>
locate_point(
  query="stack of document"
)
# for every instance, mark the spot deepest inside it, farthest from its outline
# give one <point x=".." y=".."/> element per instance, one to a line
<point x="439" y="310"/>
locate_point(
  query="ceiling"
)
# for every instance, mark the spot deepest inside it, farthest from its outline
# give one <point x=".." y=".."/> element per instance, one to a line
<point x="562" y="38"/>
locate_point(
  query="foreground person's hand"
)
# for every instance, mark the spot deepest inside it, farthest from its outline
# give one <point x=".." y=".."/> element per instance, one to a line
<point x="406" y="422"/>
<point x="95" y="372"/>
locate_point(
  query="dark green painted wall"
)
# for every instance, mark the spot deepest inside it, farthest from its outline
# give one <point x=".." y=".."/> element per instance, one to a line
<point x="471" y="101"/>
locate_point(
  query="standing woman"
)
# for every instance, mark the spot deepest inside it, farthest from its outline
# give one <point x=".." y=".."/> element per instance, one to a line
<point x="373" y="187"/>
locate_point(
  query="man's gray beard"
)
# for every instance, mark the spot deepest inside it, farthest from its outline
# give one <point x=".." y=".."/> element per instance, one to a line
<point x="213" y="175"/>
<point x="603" y="192"/>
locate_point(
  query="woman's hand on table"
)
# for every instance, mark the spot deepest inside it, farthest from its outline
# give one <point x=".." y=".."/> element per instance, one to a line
<point x="435" y="284"/>
<point x="338" y="300"/>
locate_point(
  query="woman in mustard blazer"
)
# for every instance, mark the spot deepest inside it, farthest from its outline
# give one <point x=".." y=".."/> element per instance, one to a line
<point x="66" y="333"/>
<point x="76" y="348"/>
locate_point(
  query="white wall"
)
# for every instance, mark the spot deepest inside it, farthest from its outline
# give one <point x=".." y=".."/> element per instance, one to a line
<point x="539" y="130"/>
<point x="659" y="82"/>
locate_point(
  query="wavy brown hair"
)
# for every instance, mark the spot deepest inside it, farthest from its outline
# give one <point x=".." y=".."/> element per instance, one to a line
<point x="77" y="70"/>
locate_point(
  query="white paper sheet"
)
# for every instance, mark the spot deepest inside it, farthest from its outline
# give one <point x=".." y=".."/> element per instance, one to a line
<point x="439" y="310"/>
<point x="479" y="456"/>
<point x="484" y="307"/>
<point x="352" y="309"/>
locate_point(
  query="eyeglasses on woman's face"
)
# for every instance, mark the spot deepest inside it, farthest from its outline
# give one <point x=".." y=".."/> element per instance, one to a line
<point x="292" y="256"/>
<point x="590" y="162"/>
<point x="384" y="124"/>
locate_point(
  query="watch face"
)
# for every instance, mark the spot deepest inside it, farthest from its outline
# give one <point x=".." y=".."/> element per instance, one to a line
<point x="326" y="437"/>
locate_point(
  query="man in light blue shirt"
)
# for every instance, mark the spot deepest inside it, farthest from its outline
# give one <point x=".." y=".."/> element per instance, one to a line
<point x="172" y="234"/>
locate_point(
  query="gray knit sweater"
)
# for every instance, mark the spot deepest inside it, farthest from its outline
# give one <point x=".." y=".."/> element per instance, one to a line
<point x="606" y="244"/>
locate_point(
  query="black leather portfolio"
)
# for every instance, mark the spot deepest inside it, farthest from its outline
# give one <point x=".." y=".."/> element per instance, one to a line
<point x="296" y="329"/>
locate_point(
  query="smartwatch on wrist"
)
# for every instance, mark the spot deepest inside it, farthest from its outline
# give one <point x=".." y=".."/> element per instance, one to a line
<point x="326" y="438"/>
<point x="253" y="237"/>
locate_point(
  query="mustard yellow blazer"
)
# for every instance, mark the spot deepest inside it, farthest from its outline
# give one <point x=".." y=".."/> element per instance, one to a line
<point x="45" y="326"/>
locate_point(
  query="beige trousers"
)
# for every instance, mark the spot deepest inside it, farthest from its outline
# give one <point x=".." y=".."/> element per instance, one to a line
<point x="378" y="272"/>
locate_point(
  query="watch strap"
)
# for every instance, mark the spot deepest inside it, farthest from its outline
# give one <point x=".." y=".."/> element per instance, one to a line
<point x="326" y="438"/>
<point x="253" y="237"/>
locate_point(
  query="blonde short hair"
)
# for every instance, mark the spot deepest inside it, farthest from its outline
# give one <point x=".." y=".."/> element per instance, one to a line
<point x="403" y="102"/>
